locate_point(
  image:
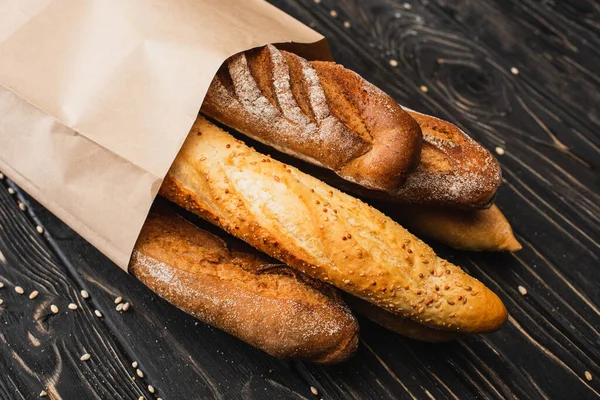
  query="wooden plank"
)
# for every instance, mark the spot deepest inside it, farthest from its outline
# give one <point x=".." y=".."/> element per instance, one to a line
<point x="545" y="118"/>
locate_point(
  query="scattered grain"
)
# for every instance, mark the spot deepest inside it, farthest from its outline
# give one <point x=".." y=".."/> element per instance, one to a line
<point x="126" y="306"/>
<point x="514" y="71"/>
<point x="39" y="229"/>
<point x="119" y="307"/>
<point x="522" y="290"/>
<point x="139" y="373"/>
<point x="393" y="63"/>
<point x="72" y="306"/>
<point x="500" y="151"/>
<point x="33" y="295"/>
<point x="118" y="300"/>
<point x="19" y="290"/>
<point x="1" y="285"/>
<point x="54" y="309"/>
<point x="85" y="294"/>
<point x="134" y="364"/>
<point x="314" y="390"/>
<point x="1" y="302"/>
<point x="588" y="375"/>
<point x="85" y="357"/>
<point x="22" y="206"/>
<point x="43" y="393"/>
<point x="11" y="190"/>
<point x="424" y="88"/>
<point x="98" y="313"/>
<point x="333" y="13"/>
<point x="346" y="24"/>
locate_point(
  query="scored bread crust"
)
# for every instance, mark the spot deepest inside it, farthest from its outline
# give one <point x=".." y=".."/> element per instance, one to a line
<point x="269" y="305"/>
<point x="325" y="233"/>
<point x="454" y="171"/>
<point x="319" y="112"/>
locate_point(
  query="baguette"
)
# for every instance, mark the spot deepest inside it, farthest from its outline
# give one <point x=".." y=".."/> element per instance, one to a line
<point x="454" y="171"/>
<point x="400" y="325"/>
<point x="271" y="306"/>
<point x="319" y="112"/>
<point x="474" y="230"/>
<point x="325" y="233"/>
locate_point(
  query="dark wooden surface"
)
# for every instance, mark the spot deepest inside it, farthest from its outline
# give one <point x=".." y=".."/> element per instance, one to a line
<point x="546" y="118"/>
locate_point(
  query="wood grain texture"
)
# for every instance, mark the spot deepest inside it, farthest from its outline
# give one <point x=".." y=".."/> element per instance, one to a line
<point x="546" y="118"/>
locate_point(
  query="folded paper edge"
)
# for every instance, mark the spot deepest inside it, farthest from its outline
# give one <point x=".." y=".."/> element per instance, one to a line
<point x="318" y="50"/>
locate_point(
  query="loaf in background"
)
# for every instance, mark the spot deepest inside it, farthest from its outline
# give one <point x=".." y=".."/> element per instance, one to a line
<point x="454" y="171"/>
<point x="474" y="230"/>
<point x="400" y="325"/>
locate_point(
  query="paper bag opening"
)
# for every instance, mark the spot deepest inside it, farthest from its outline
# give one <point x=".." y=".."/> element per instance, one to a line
<point x="97" y="98"/>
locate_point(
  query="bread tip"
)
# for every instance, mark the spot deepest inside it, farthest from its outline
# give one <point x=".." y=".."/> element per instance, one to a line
<point x="344" y="351"/>
<point x="494" y="316"/>
<point x="514" y="246"/>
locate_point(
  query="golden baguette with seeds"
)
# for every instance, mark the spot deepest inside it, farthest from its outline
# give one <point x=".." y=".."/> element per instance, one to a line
<point x="317" y="111"/>
<point x="474" y="230"/>
<point x="325" y="233"/>
<point x="231" y="286"/>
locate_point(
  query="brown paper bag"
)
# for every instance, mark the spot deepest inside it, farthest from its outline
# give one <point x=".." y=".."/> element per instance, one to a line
<point x="97" y="97"/>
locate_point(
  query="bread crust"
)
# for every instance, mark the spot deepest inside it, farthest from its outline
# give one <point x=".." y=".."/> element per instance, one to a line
<point x="473" y="230"/>
<point x="400" y="325"/>
<point x="325" y="233"/>
<point x="454" y="171"/>
<point x="319" y="112"/>
<point x="267" y="304"/>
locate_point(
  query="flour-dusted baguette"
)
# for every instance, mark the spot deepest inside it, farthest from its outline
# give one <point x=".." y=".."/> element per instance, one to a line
<point x="474" y="230"/>
<point x="269" y="305"/>
<point x="325" y="233"/>
<point x="454" y="171"/>
<point x="319" y="112"/>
